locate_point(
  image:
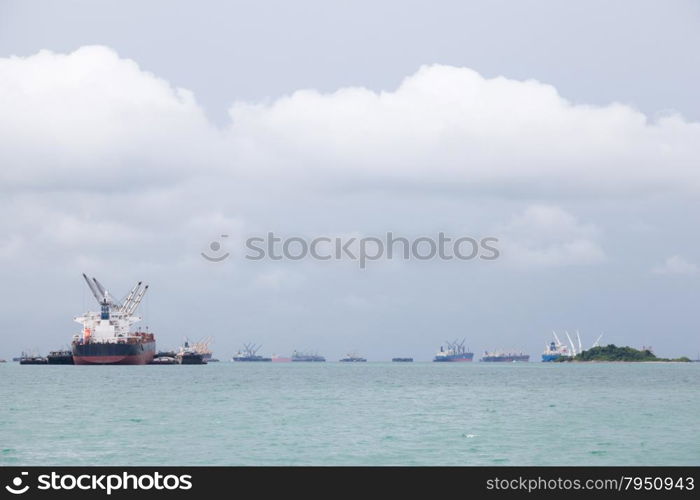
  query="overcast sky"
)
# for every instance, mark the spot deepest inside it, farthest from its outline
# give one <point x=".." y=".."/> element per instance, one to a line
<point x="133" y="134"/>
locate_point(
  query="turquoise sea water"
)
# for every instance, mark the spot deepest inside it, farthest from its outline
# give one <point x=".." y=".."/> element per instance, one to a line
<point x="351" y="414"/>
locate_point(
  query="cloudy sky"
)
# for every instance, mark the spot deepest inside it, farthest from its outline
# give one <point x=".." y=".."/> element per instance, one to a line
<point x="132" y="135"/>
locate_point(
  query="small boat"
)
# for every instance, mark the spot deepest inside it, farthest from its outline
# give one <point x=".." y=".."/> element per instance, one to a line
<point x="164" y="360"/>
<point x="33" y="360"/>
<point x="64" y="357"/>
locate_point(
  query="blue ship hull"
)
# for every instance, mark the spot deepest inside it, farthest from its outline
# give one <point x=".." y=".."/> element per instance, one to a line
<point x="550" y="357"/>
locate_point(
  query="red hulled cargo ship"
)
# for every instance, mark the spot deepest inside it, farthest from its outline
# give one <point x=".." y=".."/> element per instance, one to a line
<point x="106" y="338"/>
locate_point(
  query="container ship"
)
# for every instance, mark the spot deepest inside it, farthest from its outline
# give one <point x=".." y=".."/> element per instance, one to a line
<point x="505" y="357"/>
<point x="107" y="338"/>
<point x="306" y="357"/>
<point x="455" y="353"/>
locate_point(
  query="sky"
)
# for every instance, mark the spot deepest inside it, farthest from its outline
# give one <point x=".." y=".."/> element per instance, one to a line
<point x="133" y="135"/>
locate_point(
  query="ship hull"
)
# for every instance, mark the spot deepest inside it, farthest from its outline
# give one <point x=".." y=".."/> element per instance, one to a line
<point x="137" y="353"/>
<point x="546" y="358"/>
<point x="506" y="359"/>
<point x="453" y="359"/>
<point x="60" y="360"/>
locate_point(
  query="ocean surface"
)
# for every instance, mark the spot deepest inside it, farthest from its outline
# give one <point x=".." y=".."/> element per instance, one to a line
<point x="351" y="414"/>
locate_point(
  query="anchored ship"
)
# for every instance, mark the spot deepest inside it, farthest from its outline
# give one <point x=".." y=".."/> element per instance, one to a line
<point x="276" y="358"/>
<point x="455" y="353"/>
<point x="189" y="355"/>
<point x="298" y="356"/>
<point x="556" y="349"/>
<point x="353" y="357"/>
<point x="107" y="338"/>
<point x="32" y="359"/>
<point x="63" y="357"/>
<point x="202" y="348"/>
<point x="249" y="353"/>
<point x="505" y="357"/>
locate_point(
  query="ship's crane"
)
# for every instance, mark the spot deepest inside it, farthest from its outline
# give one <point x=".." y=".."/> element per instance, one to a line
<point x="93" y="288"/>
<point x="595" y="344"/>
<point x="573" y="346"/>
<point x="556" y="338"/>
<point x="580" y="347"/>
<point x="130" y="297"/>
<point x="100" y="292"/>
<point x="251" y="349"/>
<point x="136" y="301"/>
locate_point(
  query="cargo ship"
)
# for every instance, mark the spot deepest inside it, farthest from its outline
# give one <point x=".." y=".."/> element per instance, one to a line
<point x="556" y="349"/>
<point x="402" y="360"/>
<point x="306" y="357"/>
<point x="249" y="353"/>
<point x="505" y="357"/>
<point x="106" y="338"/>
<point x="353" y="357"/>
<point x="189" y="355"/>
<point x="553" y="352"/>
<point x="455" y="353"/>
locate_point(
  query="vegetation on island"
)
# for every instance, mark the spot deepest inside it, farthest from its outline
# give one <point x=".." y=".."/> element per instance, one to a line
<point x="613" y="353"/>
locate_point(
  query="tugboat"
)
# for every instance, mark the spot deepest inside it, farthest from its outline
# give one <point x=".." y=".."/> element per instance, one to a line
<point x="249" y="353"/>
<point x="455" y="353"/>
<point x="62" y="357"/>
<point x="32" y="359"/>
<point x="106" y="338"/>
<point x="353" y="357"/>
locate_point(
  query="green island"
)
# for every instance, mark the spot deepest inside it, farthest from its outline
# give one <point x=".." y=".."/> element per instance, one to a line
<point x="613" y="353"/>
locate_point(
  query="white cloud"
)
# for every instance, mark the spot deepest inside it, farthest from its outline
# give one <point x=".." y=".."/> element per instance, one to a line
<point x="92" y="119"/>
<point x="446" y="124"/>
<point x="97" y="153"/>
<point x="548" y="236"/>
<point x="676" y="265"/>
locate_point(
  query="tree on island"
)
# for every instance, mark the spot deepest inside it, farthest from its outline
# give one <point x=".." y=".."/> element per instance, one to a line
<point x="611" y="352"/>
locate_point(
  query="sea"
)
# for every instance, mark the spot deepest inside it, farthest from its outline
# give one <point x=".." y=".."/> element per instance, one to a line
<point x="351" y="414"/>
